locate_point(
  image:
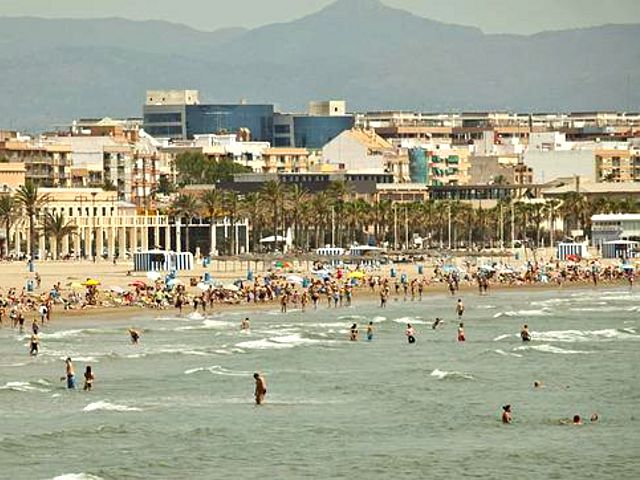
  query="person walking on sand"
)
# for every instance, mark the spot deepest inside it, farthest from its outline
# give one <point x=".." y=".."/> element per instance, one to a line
<point x="261" y="388"/>
<point x="460" y="308"/>
<point x="88" y="379"/>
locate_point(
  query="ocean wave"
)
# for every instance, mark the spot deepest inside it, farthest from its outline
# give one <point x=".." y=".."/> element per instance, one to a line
<point x="287" y="341"/>
<point x="109" y="407"/>
<point x="411" y="320"/>
<point x="218" y="370"/>
<point x="507" y="354"/>
<point x="26" y="386"/>
<point x="209" y="325"/>
<point x="571" y="336"/>
<point x="546" y="348"/>
<point x="444" y="375"/>
<point x="506" y="335"/>
<point x="543" y="312"/>
<point x="77" y="476"/>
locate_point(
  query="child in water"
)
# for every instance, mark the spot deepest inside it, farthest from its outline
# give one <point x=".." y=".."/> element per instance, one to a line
<point x="370" y="332"/>
<point x="461" y="336"/>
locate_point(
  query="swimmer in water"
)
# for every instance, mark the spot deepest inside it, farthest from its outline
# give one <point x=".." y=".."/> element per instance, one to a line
<point x="460" y="308"/>
<point x="245" y="325"/>
<point x="88" y="378"/>
<point x="594" y="417"/>
<point x="261" y="388"/>
<point x="34" y="344"/>
<point x="525" y="334"/>
<point x="537" y="384"/>
<point x="577" y="420"/>
<point x="353" y="333"/>
<point x="506" y="414"/>
<point x="135" y="336"/>
<point x="461" y="335"/>
<point x="370" y="332"/>
<point x="410" y="333"/>
<point x="437" y="323"/>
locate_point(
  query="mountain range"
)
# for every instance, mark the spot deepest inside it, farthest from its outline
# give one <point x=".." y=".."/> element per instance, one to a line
<point x="374" y="56"/>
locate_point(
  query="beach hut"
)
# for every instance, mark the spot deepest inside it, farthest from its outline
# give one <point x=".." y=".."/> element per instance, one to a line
<point x="162" y="261"/>
<point x="566" y="249"/>
<point x="620" y="249"/>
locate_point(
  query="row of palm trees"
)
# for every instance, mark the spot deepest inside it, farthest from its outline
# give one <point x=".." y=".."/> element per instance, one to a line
<point x="335" y="216"/>
<point x="28" y="203"/>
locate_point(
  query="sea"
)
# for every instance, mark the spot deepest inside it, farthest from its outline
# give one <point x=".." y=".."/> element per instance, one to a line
<point x="180" y="404"/>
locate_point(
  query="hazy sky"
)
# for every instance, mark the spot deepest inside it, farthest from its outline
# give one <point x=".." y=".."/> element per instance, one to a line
<point x="493" y="16"/>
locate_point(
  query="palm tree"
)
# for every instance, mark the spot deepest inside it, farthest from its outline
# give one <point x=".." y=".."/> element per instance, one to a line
<point x="252" y="207"/>
<point x="31" y="201"/>
<point x="56" y="225"/>
<point x="185" y="206"/>
<point x="297" y="196"/>
<point x="274" y="194"/>
<point x="8" y="213"/>
<point x="231" y="208"/>
<point x="211" y="202"/>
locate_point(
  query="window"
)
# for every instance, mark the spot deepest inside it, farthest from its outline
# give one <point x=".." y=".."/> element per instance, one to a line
<point x="282" y="129"/>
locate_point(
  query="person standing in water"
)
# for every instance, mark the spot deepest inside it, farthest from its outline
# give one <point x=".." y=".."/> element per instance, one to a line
<point x="353" y="332"/>
<point x="88" y="378"/>
<point x="245" y="325"/>
<point x="370" y="332"/>
<point x="461" y="335"/>
<point x="460" y="308"/>
<point x="261" y="388"/>
<point x="524" y="333"/>
<point x="410" y="332"/>
<point x="437" y="323"/>
<point x="70" y="374"/>
<point x="506" y="414"/>
<point x="34" y="344"/>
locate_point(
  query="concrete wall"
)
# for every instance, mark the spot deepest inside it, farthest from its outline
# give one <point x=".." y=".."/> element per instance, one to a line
<point x="550" y="165"/>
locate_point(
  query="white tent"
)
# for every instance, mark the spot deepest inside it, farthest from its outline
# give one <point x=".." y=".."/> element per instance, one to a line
<point x="273" y="239"/>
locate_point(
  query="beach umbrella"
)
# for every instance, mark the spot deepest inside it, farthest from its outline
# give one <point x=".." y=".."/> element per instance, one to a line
<point x="92" y="282"/>
<point x="117" y="289"/>
<point x="356" y="274"/>
<point x="138" y="284"/>
<point x="295" y="279"/>
<point x="627" y="266"/>
<point x="153" y="276"/>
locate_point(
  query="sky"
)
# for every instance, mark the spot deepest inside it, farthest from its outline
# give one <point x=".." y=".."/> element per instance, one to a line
<point x="492" y="16"/>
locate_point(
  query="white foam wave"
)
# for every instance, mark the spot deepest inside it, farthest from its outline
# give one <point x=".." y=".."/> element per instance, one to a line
<point x="62" y="334"/>
<point x="506" y="335"/>
<point x="507" y="354"/>
<point x="546" y="348"/>
<point x="77" y="476"/>
<point x="543" y="312"/>
<point x="23" y="387"/>
<point x="287" y="341"/>
<point x="442" y="375"/>
<point x="195" y="316"/>
<point x="109" y="407"/>
<point x="218" y="370"/>
<point x="570" y="336"/>
<point x="411" y="320"/>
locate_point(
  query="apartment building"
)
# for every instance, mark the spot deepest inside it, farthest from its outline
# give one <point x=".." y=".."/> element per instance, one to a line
<point x="46" y="163"/>
<point x="618" y="165"/>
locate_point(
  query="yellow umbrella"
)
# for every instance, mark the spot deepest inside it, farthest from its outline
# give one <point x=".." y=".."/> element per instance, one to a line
<point x="356" y="275"/>
<point x="92" y="283"/>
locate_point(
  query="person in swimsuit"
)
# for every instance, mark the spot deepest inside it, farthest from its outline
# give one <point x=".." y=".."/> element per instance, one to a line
<point x="577" y="420"/>
<point x="70" y="374"/>
<point x="245" y="325"/>
<point x="88" y="378"/>
<point x="524" y="333"/>
<point x="135" y="336"/>
<point x="353" y="333"/>
<point x="34" y="345"/>
<point x="460" y="308"/>
<point x="410" y="332"/>
<point x="437" y="323"/>
<point x="34" y="327"/>
<point x="506" y="414"/>
<point x="370" y="332"/>
<point x="261" y="388"/>
<point x="461" y="336"/>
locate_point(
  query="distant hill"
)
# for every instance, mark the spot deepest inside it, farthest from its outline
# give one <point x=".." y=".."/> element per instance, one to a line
<point x="374" y="56"/>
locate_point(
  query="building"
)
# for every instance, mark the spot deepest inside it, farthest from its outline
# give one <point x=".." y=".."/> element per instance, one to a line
<point x="592" y="190"/>
<point x="179" y="114"/>
<point x="285" y="160"/>
<point x="552" y="164"/>
<point x="328" y="108"/>
<point x="618" y="165"/>
<point x="498" y="169"/>
<point x="12" y="176"/>
<point x="325" y="121"/>
<point x="46" y="163"/>
<point x="358" y="150"/>
<point x="613" y="227"/>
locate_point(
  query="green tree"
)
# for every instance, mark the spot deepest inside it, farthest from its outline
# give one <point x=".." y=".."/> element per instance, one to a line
<point x="231" y="204"/>
<point x="274" y="193"/>
<point x="196" y="168"/>
<point x="212" y="204"/>
<point x="8" y="214"/>
<point x="56" y="225"/>
<point x="185" y="207"/>
<point x="32" y="202"/>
